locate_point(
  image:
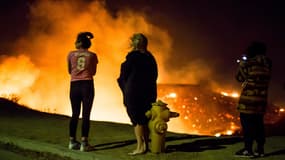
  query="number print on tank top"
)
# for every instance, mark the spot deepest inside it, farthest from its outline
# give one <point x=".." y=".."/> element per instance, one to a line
<point x="80" y="63"/>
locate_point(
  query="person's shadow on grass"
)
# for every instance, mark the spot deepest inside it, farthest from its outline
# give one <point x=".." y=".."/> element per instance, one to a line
<point x="203" y="144"/>
<point x="194" y="146"/>
<point x="112" y="145"/>
<point x="279" y="152"/>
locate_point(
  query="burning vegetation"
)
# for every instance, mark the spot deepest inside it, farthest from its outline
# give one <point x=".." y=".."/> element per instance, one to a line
<point x="205" y="112"/>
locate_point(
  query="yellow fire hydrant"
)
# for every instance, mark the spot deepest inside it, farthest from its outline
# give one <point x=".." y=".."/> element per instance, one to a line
<point x="159" y="114"/>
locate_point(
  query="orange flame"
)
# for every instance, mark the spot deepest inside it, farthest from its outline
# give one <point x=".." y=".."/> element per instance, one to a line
<point x="39" y="74"/>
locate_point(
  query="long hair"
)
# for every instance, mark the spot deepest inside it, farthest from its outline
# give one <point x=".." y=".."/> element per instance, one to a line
<point x="83" y="40"/>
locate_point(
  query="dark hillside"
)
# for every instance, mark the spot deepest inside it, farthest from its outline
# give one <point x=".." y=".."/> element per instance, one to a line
<point x="12" y="109"/>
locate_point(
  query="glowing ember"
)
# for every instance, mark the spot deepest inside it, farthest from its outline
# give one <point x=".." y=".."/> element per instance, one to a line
<point x="281" y="110"/>
<point x="218" y="135"/>
<point x="171" y="95"/>
<point x="229" y="132"/>
<point x="224" y="93"/>
<point x="233" y="94"/>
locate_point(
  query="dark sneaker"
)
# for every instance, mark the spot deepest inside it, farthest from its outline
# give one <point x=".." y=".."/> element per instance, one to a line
<point x="74" y="145"/>
<point x="244" y="153"/>
<point x="85" y="146"/>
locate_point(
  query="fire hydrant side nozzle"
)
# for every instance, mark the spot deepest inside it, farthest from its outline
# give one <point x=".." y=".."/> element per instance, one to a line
<point x="158" y="115"/>
<point x="174" y="114"/>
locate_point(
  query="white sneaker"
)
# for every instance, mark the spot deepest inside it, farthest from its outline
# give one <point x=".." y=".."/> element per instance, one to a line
<point x="74" y="145"/>
<point x="85" y="146"/>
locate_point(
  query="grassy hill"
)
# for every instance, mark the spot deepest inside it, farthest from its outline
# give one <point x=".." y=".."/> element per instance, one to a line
<point x="28" y="134"/>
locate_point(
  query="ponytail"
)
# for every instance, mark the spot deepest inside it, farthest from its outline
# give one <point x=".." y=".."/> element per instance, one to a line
<point x="83" y="40"/>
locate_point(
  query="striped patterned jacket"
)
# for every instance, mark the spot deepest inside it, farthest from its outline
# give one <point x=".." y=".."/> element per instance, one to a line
<point x="254" y="74"/>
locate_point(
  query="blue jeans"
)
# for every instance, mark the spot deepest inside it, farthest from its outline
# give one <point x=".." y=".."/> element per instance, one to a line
<point x="81" y="92"/>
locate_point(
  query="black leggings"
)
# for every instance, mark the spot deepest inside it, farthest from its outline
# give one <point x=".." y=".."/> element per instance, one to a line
<point x="81" y="92"/>
<point x="253" y="129"/>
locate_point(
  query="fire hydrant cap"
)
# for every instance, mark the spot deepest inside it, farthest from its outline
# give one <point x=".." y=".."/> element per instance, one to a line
<point x="159" y="103"/>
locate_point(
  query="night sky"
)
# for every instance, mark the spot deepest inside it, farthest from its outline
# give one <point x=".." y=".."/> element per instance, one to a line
<point x="215" y="32"/>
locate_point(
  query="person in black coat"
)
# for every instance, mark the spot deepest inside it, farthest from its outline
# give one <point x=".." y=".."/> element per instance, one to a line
<point x="137" y="82"/>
